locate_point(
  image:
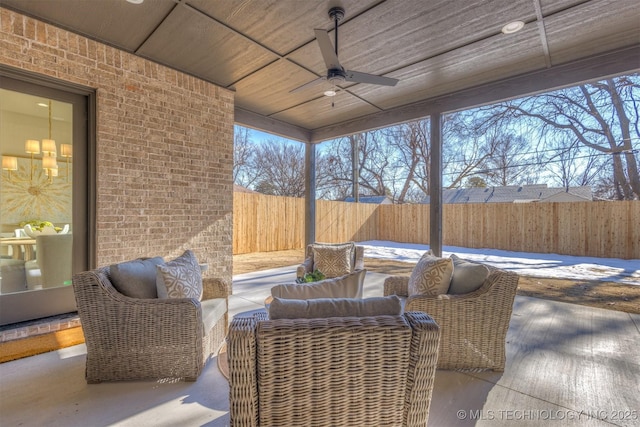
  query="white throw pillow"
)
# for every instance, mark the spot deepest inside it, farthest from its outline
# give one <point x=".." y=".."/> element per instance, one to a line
<point x="180" y="278"/>
<point x="431" y="276"/>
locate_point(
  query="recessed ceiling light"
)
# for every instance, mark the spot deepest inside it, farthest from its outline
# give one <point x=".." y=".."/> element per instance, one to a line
<point x="513" y="27"/>
<point x="42" y="104"/>
<point x="135" y="1"/>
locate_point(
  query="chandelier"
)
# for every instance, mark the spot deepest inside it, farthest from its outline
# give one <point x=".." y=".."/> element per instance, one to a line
<point x="48" y="149"/>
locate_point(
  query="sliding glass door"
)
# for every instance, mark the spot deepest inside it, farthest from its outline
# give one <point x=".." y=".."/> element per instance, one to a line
<point x="44" y="225"/>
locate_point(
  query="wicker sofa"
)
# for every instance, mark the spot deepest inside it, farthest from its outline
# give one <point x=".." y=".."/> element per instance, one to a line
<point x="133" y="338"/>
<point x="473" y="325"/>
<point x="335" y="371"/>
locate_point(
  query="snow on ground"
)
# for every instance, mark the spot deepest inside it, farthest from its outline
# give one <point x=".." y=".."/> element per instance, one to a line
<point x="526" y="264"/>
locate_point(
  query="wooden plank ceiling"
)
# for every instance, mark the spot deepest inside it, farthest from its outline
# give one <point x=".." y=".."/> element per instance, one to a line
<point x="263" y="49"/>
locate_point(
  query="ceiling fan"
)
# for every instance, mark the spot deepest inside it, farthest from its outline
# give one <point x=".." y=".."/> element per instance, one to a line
<point x="336" y="73"/>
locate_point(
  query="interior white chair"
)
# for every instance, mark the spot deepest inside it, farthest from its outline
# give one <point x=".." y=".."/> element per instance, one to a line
<point x="52" y="266"/>
<point x="12" y="275"/>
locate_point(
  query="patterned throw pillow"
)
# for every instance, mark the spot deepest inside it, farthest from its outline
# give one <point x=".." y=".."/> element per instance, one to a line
<point x="431" y="276"/>
<point x="333" y="260"/>
<point x="180" y="278"/>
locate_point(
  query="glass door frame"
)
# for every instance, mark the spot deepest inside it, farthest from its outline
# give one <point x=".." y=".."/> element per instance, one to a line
<point x="28" y="305"/>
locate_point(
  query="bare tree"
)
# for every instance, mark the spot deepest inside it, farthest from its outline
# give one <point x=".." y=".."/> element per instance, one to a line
<point x="254" y="166"/>
<point x="374" y="158"/>
<point x="243" y="154"/>
<point x="572" y="166"/>
<point x="602" y="116"/>
<point x="510" y="162"/>
<point x="468" y="145"/>
<point x="570" y="136"/>
<point x="338" y="167"/>
<point x="396" y="161"/>
<point x="412" y="168"/>
<point x="280" y="168"/>
<point x="332" y="173"/>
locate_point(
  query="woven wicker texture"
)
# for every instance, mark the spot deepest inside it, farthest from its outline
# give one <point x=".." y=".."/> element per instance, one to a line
<point x="473" y="326"/>
<point x="130" y="338"/>
<point x="349" y="371"/>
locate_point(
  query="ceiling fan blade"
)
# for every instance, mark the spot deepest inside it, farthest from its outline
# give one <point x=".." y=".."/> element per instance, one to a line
<point x="358" y="77"/>
<point x="308" y="85"/>
<point x="328" y="52"/>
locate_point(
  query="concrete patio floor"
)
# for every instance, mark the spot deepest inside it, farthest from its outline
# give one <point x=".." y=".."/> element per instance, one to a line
<point x="566" y="365"/>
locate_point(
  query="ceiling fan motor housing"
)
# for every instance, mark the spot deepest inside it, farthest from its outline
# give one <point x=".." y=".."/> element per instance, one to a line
<point x="336" y="75"/>
<point x="336" y="13"/>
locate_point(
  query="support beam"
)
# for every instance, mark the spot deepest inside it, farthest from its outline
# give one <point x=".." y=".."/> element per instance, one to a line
<point x="355" y="175"/>
<point x="435" y="186"/>
<point x="310" y="194"/>
<point x="259" y="122"/>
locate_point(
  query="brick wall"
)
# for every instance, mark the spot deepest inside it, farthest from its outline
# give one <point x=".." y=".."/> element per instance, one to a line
<point x="164" y="145"/>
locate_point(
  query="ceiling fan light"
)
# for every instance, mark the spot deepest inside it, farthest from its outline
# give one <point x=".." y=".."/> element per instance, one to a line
<point x="330" y="92"/>
<point x="513" y="27"/>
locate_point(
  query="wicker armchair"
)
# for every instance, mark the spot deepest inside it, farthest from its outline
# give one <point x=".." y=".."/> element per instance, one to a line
<point x="473" y="326"/>
<point x="131" y="338"/>
<point x="357" y="266"/>
<point x="337" y="371"/>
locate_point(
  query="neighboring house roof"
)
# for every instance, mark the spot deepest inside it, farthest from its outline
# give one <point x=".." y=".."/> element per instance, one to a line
<point x="574" y="194"/>
<point x="515" y="194"/>
<point x="240" y="189"/>
<point x="378" y="200"/>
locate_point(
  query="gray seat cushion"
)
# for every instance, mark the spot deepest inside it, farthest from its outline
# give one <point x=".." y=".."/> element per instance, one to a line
<point x="136" y="278"/>
<point x="212" y="311"/>
<point x="334" y="307"/>
<point x="340" y="287"/>
<point x="467" y="276"/>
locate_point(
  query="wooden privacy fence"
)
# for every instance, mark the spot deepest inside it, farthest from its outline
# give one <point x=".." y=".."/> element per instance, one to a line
<point x="272" y="223"/>
<point x="598" y="229"/>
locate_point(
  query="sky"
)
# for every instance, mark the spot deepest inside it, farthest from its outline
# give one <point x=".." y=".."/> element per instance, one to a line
<point x="527" y="264"/>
